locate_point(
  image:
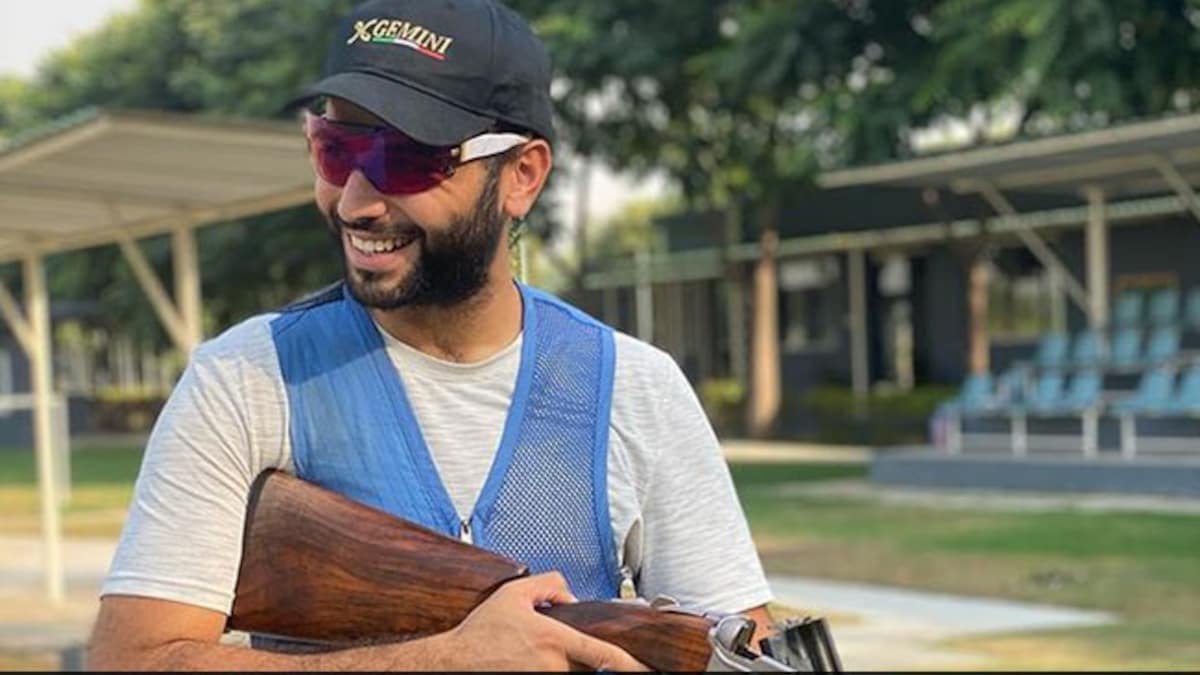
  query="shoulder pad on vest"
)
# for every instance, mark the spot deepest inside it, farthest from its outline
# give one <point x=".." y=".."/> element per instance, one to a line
<point x="331" y="293"/>
<point x="575" y="312"/>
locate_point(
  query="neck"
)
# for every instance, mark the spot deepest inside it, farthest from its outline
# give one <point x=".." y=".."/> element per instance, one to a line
<point x="468" y="332"/>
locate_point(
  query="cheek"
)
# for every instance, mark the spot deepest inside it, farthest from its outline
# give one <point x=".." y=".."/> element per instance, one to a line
<point x="437" y="207"/>
<point x="325" y="195"/>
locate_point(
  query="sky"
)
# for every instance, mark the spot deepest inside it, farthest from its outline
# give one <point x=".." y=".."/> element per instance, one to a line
<point x="31" y="29"/>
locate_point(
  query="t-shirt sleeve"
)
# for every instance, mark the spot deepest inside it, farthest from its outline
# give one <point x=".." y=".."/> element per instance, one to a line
<point x="222" y="425"/>
<point x="696" y="544"/>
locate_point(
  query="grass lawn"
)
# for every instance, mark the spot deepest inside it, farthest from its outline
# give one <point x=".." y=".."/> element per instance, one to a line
<point x="1143" y="567"/>
<point x="102" y="484"/>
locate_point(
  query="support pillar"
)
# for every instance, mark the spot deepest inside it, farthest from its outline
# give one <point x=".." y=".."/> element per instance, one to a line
<point x="979" y="343"/>
<point x="645" y="299"/>
<point x="1020" y="434"/>
<point x="187" y="284"/>
<point x="766" y="387"/>
<point x="735" y="302"/>
<point x="153" y="288"/>
<point x="859" y="359"/>
<point x="1032" y="241"/>
<point x="37" y="306"/>
<point x="1097" y="259"/>
<point x="1178" y="183"/>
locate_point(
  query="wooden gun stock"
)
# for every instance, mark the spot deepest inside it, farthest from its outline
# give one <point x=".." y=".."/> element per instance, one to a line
<point x="321" y="568"/>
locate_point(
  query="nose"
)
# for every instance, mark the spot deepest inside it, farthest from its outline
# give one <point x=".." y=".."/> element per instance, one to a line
<point x="360" y="201"/>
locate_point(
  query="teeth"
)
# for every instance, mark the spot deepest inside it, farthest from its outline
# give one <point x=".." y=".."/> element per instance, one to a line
<point x="374" y="245"/>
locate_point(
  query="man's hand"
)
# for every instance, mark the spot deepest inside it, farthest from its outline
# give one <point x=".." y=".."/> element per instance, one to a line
<point x="507" y="633"/>
<point x="504" y="633"/>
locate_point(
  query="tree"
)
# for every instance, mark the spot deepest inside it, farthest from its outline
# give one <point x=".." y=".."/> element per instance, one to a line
<point x="738" y="101"/>
<point x="1067" y="64"/>
<point x="239" y="59"/>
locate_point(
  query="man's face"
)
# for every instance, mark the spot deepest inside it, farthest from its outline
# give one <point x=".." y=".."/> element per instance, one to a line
<point x="432" y="248"/>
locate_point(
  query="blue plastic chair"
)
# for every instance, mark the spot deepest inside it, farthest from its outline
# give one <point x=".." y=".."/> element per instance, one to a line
<point x="1186" y="398"/>
<point x="1046" y="393"/>
<point x="1126" y="348"/>
<point x="1164" y="307"/>
<point x="1052" y="351"/>
<point x="1083" y="393"/>
<point x="1010" y="388"/>
<point x="975" y="395"/>
<point x="1088" y="349"/>
<point x="1163" y="345"/>
<point x="1153" y="394"/>
<point x="1127" y="308"/>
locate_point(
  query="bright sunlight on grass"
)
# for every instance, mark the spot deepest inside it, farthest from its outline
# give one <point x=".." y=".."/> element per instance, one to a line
<point x="1141" y="566"/>
<point x="102" y="484"/>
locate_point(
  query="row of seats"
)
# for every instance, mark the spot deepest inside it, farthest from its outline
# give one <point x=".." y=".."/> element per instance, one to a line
<point x="1135" y="307"/>
<point x="1124" y="348"/>
<point x="1160" y="391"/>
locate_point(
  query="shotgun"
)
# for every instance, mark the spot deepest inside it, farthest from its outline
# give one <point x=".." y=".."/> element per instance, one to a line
<point x="320" y="571"/>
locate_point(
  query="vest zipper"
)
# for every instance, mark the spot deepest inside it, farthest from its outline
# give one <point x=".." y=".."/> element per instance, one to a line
<point x="464" y="532"/>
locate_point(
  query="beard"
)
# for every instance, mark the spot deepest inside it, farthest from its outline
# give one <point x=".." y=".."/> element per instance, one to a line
<point x="451" y="266"/>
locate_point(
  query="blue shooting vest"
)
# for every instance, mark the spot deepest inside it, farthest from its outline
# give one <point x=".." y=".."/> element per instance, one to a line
<point x="545" y="500"/>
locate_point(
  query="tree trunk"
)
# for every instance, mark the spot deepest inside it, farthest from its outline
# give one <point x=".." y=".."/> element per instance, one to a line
<point x="978" y="359"/>
<point x="766" y="387"/>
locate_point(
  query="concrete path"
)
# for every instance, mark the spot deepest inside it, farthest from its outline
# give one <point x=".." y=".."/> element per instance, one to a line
<point x="781" y="451"/>
<point x="875" y="627"/>
<point x="28" y="622"/>
<point x="885" y="628"/>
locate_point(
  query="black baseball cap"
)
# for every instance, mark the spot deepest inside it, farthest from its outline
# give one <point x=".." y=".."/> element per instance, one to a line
<point x="441" y="71"/>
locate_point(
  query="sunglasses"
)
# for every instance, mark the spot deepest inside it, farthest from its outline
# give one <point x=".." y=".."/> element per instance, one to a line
<point x="394" y="163"/>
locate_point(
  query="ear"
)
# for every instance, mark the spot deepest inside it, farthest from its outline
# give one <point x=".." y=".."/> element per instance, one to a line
<point x="524" y="178"/>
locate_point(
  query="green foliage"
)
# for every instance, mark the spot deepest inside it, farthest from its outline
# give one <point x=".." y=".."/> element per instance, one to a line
<point x="97" y="466"/>
<point x="1069" y="64"/>
<point x="919" y="402"/>
<point x="735" y="100"/>
<point x="631" y="230"/>
<point x="738" y="101"/>
<point x="243" y="58"/>
<point x="724" y="401"/>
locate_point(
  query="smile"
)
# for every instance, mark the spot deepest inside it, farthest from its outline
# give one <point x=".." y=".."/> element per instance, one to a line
<point x="376" y="246"/>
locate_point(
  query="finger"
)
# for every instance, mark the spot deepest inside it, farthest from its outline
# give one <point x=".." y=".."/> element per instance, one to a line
<point x="600" y="655"/>
<point x="550" y="587"/>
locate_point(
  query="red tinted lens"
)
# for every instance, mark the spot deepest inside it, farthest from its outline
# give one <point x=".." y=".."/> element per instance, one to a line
<point x="393" y="162"/>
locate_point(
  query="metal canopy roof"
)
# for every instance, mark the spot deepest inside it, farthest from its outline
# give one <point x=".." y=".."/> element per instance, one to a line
<point x="1124" y="160"/>
<point x="101" y="176"/>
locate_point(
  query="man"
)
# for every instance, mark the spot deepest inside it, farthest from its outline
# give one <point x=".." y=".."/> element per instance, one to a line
<point x="431" y="385"/>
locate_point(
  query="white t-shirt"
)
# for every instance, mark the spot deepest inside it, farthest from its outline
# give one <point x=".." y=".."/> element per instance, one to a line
<point x="676" y="519"/>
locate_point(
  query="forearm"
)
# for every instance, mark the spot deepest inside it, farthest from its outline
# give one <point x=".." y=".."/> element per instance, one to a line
<point x="431" y="653"/>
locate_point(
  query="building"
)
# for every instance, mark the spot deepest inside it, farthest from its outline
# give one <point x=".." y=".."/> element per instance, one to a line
<point x="925" y="270"/>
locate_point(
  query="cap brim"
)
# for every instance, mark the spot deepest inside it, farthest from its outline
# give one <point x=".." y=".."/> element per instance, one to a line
<point x="422" y="117"/>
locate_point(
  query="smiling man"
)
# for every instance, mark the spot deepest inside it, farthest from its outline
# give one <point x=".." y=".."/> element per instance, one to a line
<point x="431" y="385"/>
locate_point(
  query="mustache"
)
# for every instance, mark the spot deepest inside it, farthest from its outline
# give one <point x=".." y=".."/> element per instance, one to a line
<point x="394" y="230"/>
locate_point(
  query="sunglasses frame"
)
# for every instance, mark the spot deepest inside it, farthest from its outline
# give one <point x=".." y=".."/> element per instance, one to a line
<point x="488" y="144"/>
